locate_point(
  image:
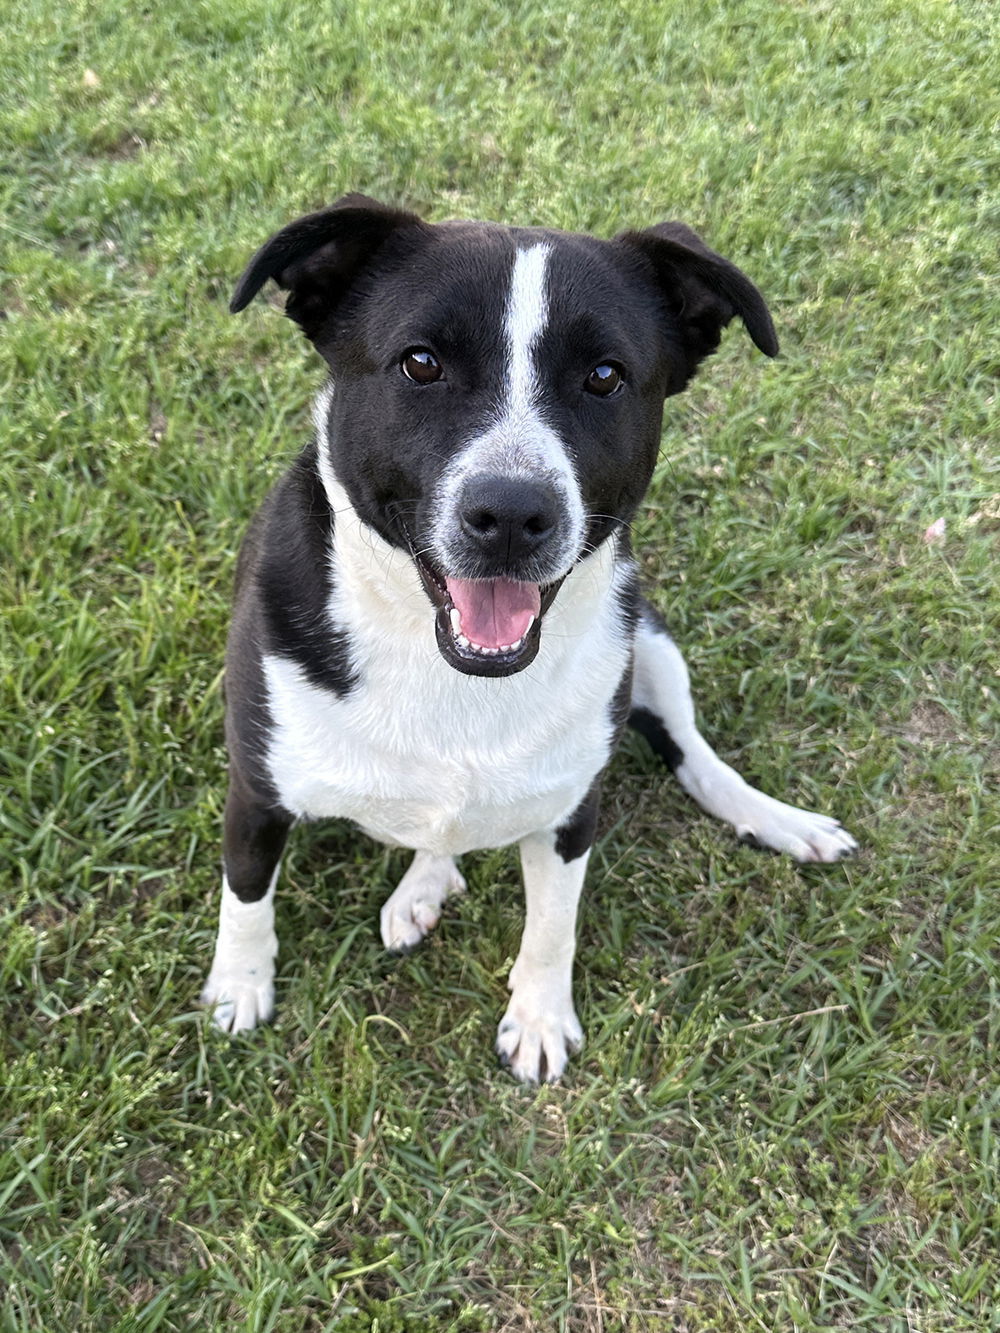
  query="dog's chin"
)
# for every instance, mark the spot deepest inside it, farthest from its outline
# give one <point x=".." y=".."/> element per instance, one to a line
<point x="456" y="639"/>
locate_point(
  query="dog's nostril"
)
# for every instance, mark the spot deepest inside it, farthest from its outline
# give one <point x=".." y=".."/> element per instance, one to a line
<point x="480" y="520"/>
<point x="538" y="525"/>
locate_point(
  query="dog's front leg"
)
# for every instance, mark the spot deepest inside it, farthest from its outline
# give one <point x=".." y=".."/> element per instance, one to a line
<point x="540" y="1027"/>
<point x="240" y="986"/>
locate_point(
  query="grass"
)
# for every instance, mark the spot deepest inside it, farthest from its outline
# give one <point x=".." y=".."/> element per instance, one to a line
<point x="786" y="1116"/>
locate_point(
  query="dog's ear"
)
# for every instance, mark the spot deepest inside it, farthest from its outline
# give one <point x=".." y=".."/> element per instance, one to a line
<point x="702" y="290"/>
<point x="315" y="258"/>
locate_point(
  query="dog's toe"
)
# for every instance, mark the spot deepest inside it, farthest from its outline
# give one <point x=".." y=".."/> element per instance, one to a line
<point x="239" y="1002"/>
<point x="402" y="935"/>
<point x="414" y="909"/>
<point x="801" y="834"/>
<point x="536" y="1047"/>
<point x="825" y="843"/>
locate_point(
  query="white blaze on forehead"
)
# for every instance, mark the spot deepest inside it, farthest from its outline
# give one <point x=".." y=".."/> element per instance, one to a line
<point x="521" y="443"/>
<point x="527" y="314"/>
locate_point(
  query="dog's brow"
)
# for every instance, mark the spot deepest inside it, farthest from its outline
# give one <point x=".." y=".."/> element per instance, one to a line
<point x="527" y="313"/>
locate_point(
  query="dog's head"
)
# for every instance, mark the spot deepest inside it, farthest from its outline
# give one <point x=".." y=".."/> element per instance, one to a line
<point x="497" y="392"/>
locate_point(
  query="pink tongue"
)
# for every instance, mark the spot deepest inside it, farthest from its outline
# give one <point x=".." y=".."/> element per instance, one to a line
<point x="494" y="612"/>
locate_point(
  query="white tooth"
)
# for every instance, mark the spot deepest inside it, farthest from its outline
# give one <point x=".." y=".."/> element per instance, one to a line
<point x="456" y="621"/>
<point x="462" y="641"/>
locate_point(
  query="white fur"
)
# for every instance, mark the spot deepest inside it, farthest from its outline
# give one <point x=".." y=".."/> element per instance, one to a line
<point x="426" y="757"/>
<point x="540" y="1027"/>
<point x="661" y="684"/>
<point x="519" y="444"/>
<point x="527" y="315"/>
<point x="415" y="906"/>
<point x="240" y="985"/>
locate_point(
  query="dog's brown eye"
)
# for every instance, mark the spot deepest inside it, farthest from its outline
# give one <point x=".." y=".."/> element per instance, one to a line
<point x="421" y="366"/>
<point x="604" y="380"/>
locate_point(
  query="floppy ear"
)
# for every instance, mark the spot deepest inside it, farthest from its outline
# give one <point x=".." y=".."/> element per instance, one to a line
<point x="702" y="290"/>
<point x="315" y="258"/>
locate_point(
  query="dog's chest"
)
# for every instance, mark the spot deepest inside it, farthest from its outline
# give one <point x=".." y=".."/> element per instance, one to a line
<point x="421" y="756"/>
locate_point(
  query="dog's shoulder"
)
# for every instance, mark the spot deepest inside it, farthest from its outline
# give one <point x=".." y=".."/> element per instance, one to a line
<point x="285" y="581"/>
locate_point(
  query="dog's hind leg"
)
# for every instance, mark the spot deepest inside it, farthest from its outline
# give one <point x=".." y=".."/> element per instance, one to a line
<point x="240" y="985"/>
<point x="414" y="908"/>
<point x="663" y="712"/>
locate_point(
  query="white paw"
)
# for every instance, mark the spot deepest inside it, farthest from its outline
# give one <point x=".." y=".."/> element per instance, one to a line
<point x="534" y="1042"/>
<point x="414" y="909"/>
<point x="240" y="997"/>
<point x="240" y="985"/>
<point x="802" y="834"/>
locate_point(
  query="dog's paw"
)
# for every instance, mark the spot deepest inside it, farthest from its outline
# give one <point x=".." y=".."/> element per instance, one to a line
<point x="536" y="1043"/>
<point x="239" y="998"/>
<point x="414" y="909"/>
<point x="802" y="834"/>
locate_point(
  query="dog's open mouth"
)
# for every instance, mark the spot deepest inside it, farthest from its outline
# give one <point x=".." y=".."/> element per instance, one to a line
<point x="487" y="627"/>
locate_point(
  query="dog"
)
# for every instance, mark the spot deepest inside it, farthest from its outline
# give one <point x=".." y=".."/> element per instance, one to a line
<point x="438" y="631"/>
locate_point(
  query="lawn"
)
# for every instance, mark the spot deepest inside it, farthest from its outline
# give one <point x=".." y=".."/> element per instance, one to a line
<point x="787" y="1114"/>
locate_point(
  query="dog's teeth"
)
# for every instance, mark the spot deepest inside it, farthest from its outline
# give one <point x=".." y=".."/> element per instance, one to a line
<point x="480" y="648"/>
<point x="464" y="642"/>
<point x="505" y="647"/>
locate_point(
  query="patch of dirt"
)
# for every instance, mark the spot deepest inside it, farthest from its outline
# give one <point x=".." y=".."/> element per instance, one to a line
<point x="929" y="722"/>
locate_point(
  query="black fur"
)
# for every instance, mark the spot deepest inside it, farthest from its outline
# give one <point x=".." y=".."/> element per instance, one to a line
<point x="317" y="257"/>
<point x="648" y="725"/>
<point x="253" y="840"/>
<point x="702" y="292"/>
<point x="577" y="834"/>
<point x="293" y="581"/>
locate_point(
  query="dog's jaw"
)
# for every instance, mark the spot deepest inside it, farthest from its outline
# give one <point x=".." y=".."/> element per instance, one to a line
<point x="451" y="621"/>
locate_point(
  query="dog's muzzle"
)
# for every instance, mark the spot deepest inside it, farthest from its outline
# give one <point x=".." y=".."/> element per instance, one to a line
<point x="508" y="546"/>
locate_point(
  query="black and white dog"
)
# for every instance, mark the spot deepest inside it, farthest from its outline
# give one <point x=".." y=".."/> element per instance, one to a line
<point x="438" y="632"/>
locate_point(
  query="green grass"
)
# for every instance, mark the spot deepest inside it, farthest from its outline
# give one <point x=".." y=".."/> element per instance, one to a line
<point x="786" y="1116"/>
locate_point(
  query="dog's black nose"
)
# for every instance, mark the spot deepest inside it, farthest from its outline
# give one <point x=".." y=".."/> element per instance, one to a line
<point x="509" y="518"/>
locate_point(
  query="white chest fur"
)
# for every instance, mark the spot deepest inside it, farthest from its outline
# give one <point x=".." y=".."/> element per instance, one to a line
<point x="423" y="756"/>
